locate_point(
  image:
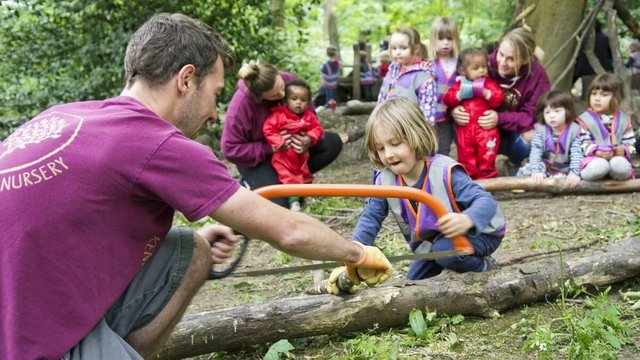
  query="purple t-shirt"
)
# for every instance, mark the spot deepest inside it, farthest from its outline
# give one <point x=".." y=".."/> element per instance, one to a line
<point x="88" y="192"/>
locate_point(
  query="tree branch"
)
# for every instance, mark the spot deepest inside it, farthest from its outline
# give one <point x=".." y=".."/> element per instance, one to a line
<point x="627" y="19"/>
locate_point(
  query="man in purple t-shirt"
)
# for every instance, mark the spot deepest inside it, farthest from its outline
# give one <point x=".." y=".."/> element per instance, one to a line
<point x="89" y="265"/>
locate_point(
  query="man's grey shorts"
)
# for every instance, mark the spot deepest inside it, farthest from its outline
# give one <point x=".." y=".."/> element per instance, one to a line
<point x="141" y="302"/>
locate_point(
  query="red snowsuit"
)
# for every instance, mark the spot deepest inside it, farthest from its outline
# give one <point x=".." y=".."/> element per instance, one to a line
<point x="292" y="168"/>
<point x="477" y="147"/>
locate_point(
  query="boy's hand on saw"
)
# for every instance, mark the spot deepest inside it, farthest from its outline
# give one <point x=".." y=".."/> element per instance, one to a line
<point x="373" y="268"/>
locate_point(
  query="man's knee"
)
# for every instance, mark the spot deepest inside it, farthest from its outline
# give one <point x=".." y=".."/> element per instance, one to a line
<point x="201" y="261"/>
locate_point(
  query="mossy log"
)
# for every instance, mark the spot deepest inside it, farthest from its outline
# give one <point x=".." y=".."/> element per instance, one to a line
<point x="476" y="294"/>
<point x="559" y="185"/>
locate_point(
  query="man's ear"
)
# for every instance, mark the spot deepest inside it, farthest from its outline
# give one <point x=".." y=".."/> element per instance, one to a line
<point x="186" y="78"/>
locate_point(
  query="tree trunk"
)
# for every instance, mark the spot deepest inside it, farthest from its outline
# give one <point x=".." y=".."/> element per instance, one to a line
<point x="553" y="22"/>
<point x="476" y="294"/>
<point x="331" y="24"/>
<point x="355" y="91"/>
<point x="559" y="185"/>
<point x="277" y="9"/>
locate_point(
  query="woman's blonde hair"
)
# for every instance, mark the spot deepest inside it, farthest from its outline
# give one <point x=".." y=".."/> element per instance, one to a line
<point x="402" y="118"/>
<point x="258" y="78"/>
<point x="443" y="27"/>
<point x="524" y="46"/>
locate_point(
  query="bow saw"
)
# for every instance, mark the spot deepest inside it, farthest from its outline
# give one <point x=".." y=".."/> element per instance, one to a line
<point x="461" y="245"/>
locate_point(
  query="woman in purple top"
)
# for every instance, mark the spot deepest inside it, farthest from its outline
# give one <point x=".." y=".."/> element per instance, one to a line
<point x="260" y="88"/>
<point x="522" y="78"/>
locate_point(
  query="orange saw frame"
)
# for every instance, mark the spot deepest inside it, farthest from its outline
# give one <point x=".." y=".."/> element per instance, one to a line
<point x="460" y="243"/>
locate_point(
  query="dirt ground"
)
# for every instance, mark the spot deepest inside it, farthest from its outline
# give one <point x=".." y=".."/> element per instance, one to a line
<point x="572" y="220"/>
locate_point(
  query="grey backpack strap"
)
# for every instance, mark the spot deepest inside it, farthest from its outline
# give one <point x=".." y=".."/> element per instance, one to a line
<point x="389" y="178"/>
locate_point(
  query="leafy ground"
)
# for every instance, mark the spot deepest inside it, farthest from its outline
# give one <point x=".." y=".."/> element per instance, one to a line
<point x="532" y="219"/>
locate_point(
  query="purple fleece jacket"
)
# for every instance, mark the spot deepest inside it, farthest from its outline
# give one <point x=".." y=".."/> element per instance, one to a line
<point x="518" y="109"/>
<point x="242" y="141"/>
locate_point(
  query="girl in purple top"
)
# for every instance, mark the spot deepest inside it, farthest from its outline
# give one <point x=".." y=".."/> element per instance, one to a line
<point x="514" y="67"/>
<point x="410" y="76"/>
<point x="403" y="147"/>
<point x="444" y="44"/>
<point x="261" y="87"/>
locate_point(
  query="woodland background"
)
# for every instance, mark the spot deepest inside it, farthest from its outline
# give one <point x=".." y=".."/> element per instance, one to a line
<point x="61" y="51"/>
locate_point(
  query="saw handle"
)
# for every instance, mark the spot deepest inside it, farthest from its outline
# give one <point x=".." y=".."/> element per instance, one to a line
<point x="460" y="243"/>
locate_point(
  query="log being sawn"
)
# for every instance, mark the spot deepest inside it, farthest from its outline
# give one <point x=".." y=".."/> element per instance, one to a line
<point x="475" y="294"/>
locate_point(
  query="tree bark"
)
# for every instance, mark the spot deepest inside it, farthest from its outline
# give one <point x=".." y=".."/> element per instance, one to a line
<point x="553" y="22"/>
<point x="277" y="9"/>
<point x="331" y="24"/>
<point x="626" y="18"/>
<point x="559" y="185"/>
<point x="476" y="294"/>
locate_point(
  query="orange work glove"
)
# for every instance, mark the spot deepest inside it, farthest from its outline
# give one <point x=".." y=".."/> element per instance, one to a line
<point x="373" y="268"/>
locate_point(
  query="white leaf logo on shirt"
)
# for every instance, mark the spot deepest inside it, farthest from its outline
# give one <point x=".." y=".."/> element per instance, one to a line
<point x="48" y="128"/>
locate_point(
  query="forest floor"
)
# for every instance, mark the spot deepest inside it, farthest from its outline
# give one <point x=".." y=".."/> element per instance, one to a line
<point x="532" y="218"/>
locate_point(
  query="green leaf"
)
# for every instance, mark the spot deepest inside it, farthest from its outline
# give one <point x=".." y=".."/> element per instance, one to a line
<point x="457" y="319"/>
<point x="282" y="347"/>
<point x="242" y="285"/>
<point x="416" y="320"/>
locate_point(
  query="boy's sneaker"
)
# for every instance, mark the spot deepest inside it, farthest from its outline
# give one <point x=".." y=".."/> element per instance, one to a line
<point x="295" y="206"/>
<point x="492" y="264"/>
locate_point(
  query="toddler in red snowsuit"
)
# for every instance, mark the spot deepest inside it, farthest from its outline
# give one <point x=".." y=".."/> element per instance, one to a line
<point x="292" y="117"/>
<point x="477" y="147"/>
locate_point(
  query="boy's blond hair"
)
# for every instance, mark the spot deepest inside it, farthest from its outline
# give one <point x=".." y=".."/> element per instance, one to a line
<point x="402" y="118"/>
<point x="443" y="27"/>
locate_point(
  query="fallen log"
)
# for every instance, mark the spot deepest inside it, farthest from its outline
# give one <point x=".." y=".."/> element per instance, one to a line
<point x="357" y="107"/>
<point x="476" y="294"/>
<point x="559" y="185"/>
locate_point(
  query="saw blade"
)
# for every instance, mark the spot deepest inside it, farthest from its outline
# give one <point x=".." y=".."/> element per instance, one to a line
<point x="333" y="264"/>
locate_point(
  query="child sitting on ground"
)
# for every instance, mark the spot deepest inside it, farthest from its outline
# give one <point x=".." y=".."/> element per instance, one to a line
<point x="404" y="147"/>
<point x="607" y="136"/>
<point x="555" y="147"/>
<point x="477" y="147"/>
<point x="292" y="117"/>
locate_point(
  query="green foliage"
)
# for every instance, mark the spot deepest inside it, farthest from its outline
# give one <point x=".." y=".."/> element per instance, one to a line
<point x="325" y="206"/>
<point x="280" y="259"/>
<point x="432" y="327"/>
<point x="282" y="347"/>
<point x="54" y="52"/>
<point x="369" y="346"/>
<point x="595" y="330"/>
